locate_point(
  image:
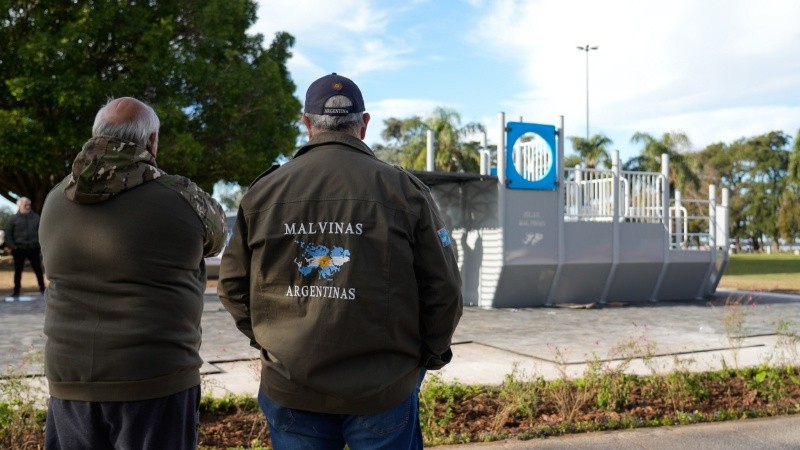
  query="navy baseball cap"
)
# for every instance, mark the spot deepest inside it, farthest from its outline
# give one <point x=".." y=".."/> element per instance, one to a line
<point x="328" y="86"/>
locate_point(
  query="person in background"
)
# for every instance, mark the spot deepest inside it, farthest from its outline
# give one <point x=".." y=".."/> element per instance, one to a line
<point x="22" y="240"/>
<point x="123" y="243"/>
<point x="341" y="271"/>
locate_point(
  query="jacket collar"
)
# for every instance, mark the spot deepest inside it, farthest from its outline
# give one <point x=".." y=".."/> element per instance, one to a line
<point x="334" y="137"/>
<point x="107" y="166"/>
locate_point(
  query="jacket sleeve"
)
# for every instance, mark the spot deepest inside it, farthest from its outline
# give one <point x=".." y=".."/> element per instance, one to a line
<point x="216" y="228"/>
<point x="439" y="284"/>
<point x="234" y="279"/>
<point x="9" y="237"/>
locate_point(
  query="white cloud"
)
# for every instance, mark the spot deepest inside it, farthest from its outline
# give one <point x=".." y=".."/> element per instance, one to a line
<point x="717" y="70"/>
<point x="347" y="34"/>
<point x="374" y="55"/>
<point x="706" y="68"/>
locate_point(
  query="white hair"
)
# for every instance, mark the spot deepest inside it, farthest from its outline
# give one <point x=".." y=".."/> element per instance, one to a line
<point x="137" y="131"/>
<point x="350" y="123"/>
<point x="22" y="200"/>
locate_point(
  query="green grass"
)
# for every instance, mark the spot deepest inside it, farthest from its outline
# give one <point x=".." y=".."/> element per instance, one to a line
<point x="762" y="272"/>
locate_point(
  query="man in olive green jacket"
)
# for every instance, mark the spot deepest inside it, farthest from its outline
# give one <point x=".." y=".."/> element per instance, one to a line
<point x="341" y="271"/>
<point x="123" y="243"/>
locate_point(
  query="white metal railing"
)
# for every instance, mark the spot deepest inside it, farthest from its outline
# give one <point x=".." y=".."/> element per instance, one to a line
<point x="589" y="196"/>
<point x="643" y="197"/>
<point x="532" y="159"/>
<point x="686" y="215"/>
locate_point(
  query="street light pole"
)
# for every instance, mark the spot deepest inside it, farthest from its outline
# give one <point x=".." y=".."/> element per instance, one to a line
<point x="586" y="48"/>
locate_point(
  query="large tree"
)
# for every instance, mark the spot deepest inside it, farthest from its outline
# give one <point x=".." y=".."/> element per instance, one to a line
<point x="789" y="214"/>
<point x="766" y="161"/>
<point x="226" y="103"/>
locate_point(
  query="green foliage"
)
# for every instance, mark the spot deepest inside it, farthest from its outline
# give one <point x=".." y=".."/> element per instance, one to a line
<point x="228" y="403"/>
<point x="760" y="173"/>
<point x="20" y="413"/>
<point x="593" y="152"/>
<point x="225" y="102"/>
<point x="20" y="416"/>
<point x="674" y="144"/>
<point x="771" y="383"/>
<point x="520" y="397"/>
<point x="407" y="142"/>
<point x="437" y="401"/>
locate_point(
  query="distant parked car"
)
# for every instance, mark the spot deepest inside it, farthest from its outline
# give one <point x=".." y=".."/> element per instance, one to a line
<point x="212" y="262"/>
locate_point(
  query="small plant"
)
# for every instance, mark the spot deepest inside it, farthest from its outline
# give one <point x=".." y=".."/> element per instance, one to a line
<point x="770" y="383"/>
<point x="786" y="351"/>
<point x="733" y="321"/>
<point x="569" y="396"/>
<point x="519" y="397"/>
<point x="22" y="413"/>
<point x="228" y="403"/>
<point x="438" y="402"/>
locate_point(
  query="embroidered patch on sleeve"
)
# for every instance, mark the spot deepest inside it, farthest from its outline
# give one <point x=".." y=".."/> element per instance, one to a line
<point x="444" y="236"/>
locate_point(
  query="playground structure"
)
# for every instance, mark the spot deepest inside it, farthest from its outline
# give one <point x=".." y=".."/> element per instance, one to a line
<point x="540" y="234"/>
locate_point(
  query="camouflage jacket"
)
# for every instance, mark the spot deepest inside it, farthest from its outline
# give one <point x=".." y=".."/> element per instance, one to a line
<point x="107" y="166"/>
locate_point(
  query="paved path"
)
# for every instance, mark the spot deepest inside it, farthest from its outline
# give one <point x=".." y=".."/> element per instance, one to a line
<point x="545" y="342"/>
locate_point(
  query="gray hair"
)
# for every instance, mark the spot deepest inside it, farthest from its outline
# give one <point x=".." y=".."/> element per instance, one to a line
<point x="137" y="131"/>
<point x="350" y="123"/>
<point x="23" y="200"/>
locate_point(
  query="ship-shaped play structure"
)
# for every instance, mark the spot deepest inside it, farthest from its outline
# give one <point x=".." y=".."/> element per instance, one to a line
<point x="535" y="233"/>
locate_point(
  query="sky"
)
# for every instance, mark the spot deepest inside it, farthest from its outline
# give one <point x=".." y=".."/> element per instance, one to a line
<point x="716" y="70"/>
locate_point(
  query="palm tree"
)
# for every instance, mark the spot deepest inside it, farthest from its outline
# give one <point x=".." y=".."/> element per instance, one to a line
<point x="409" y="137"/>
<point x="649" y="160"/>
<point x="593" y="151"/>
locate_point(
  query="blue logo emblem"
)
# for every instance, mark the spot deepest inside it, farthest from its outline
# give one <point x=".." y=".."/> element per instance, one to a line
<point x="444" y="236"/>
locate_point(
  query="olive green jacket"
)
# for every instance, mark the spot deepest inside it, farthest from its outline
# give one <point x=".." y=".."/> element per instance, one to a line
<point x="340" y="269"/>
<point x="123" y="243"/>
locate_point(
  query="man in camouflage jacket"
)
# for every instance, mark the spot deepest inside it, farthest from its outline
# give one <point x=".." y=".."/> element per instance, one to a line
<point x="123" y="243"/>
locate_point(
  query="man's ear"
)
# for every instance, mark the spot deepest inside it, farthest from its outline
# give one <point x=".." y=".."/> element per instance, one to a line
<point x="307" y="123"/>
<point x="365" y="117"/>
<point x="152" y="144"/>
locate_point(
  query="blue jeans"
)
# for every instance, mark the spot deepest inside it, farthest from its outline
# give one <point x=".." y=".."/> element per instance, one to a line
<point x="293" y="429"/>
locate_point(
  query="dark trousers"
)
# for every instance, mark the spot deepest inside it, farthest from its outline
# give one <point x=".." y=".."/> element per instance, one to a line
<point x="34" y="255"/>
<point x="169" y="422"/>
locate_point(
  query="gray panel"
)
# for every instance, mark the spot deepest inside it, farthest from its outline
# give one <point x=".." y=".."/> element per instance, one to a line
<point x="524" y="286"/>
<point x="581" y="283"/>
<point x="531" y="227"/>
<point x="690" y="256"/>
<point x="716" y="273"/>
<point x="682" y="281"/>
<point x="641" y="242"/>
<point x="634" y="282"/>
<point x="587" y="242"/>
